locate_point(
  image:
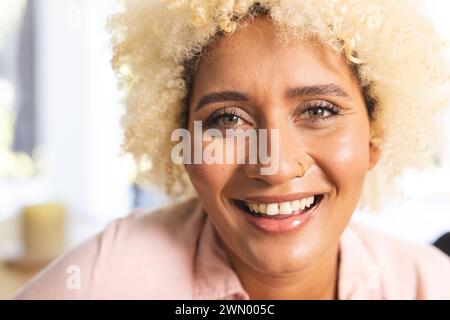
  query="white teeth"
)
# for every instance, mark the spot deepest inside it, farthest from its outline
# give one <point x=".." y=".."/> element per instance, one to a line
<point x="272" y="209"/>
<point x="309" y="201"/>
<point x="302" y="204"/>
<point x="284" y="208"/>
<point x="295" y="205"/>
<point x="262" y="208"/>
<point x="312" y="200"/>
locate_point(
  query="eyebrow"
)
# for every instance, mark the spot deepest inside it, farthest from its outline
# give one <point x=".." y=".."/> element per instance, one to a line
<point x="313" y="90"/>
<point x="222" y="96"/>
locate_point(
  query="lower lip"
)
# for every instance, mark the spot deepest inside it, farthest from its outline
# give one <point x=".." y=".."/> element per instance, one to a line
<point x="281" y="225"/>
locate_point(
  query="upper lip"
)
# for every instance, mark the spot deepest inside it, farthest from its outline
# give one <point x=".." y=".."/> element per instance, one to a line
<point x="281" y="198"/>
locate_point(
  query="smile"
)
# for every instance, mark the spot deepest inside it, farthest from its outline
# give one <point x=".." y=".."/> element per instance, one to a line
<point x="279" y="214"/>
<point x="282" y="208"/>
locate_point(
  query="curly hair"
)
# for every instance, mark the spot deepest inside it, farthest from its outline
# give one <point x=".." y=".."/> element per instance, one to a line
<point x="392" y="48"/>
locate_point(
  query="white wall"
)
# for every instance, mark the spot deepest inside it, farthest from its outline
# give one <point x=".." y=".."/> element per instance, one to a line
<point x="78" y="109"/>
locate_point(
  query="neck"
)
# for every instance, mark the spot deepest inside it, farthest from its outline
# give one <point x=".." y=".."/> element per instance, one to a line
<point x="318" y="281"/>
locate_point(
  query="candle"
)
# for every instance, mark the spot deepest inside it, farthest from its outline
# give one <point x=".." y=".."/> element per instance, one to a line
<point x="43" y="231"/>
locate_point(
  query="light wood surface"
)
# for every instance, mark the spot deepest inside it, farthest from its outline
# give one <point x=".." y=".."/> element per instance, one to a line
<point x="12" y="278"/>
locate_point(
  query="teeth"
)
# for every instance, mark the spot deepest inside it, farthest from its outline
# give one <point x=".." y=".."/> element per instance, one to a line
<point x="284" y="208"/>
<point x="309" y="201"/>
<point x="272" y="209"/>
<point x="302" y="204"/>
<point x="262" y="208"/>
<point x="295" y="205"/>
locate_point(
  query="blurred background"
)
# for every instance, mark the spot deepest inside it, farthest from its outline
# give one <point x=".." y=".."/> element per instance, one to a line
<point x="62" y="176"/>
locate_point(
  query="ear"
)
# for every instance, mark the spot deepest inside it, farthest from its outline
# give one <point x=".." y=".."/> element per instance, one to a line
<point x="374" y="155"/>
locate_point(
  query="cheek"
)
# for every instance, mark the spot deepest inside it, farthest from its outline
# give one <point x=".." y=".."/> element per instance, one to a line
<point x="208" y="179"/>
<point x="345" y="159"/>
<point x="211" y="177"/>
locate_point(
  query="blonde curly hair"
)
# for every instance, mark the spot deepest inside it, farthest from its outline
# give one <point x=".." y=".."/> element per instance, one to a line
<point x="394" y="50"/>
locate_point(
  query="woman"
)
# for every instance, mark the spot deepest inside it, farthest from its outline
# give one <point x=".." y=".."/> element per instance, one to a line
<point x="345" y="87"/>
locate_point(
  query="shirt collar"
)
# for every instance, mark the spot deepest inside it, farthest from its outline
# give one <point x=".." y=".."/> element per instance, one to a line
<point x="215" y="279"/>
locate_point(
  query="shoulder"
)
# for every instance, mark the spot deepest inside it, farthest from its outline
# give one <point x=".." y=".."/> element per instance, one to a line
<point x="175" y="226"/>
<point x="141" y="256"/>
<point x="407" y="270"/>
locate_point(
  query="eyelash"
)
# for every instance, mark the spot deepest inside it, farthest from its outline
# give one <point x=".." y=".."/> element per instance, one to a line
<point x="221" y="114"/>
<point x="327" y="106"/>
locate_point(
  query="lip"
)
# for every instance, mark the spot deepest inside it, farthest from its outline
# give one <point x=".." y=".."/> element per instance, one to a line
<point x="280" y="224"/>
<point x="279" y="199"/>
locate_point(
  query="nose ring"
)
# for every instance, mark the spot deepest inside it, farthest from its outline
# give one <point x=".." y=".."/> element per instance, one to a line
<point x="303" y="170"/>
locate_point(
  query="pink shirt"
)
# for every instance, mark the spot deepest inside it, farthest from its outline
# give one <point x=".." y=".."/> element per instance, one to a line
<point x="174" y="254"/>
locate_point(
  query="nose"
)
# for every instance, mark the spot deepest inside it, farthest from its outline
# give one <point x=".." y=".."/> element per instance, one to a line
<point x="288" y="151"/>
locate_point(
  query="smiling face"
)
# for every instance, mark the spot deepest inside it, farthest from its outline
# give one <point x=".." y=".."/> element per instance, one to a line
<point x="309" y="93"/>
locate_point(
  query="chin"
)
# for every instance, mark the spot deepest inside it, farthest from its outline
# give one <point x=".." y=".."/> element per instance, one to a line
<point x="278" y="256"/>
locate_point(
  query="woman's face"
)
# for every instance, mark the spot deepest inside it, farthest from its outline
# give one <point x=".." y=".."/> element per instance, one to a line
<point x="309" y="94"/>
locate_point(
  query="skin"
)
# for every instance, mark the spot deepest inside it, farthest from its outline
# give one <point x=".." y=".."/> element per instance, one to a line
<point x="335" y="151"/>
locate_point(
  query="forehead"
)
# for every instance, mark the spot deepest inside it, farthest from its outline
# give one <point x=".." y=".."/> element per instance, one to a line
<point x="253" y="59"/>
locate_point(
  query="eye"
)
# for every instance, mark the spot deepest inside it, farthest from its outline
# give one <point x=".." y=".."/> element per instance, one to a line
<point x="316" y="111"/>
<point x="227" y="118"/>
<point x="230" y="119"/>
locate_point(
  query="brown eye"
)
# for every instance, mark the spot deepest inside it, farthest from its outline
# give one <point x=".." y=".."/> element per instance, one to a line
<point x="230" y="120"/>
